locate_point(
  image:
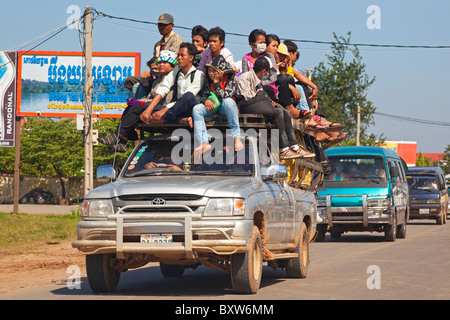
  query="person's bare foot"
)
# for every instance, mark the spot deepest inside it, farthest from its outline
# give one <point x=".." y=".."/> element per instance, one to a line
<point x="187" y="121"/>
<point x="202" y="148"/>
<point x="238" y="146"/>
<point x="295" y="113"/>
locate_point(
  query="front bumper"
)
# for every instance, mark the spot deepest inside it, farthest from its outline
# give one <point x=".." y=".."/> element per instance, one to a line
<point x="425" y="211"/>
<point x="120" y="233"/>
<point x="362" y="216"/>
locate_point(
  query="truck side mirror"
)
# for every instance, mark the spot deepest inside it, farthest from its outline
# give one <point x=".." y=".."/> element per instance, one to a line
<point x="275" y="172"/>
<point x="106" y="171"/>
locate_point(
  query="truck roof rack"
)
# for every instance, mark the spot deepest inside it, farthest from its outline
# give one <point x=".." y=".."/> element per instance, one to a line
<point x="217" y="121"/>
<point x="254" y="121"/>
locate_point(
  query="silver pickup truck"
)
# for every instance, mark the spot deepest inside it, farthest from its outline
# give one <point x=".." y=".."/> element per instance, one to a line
<point x="227" y="210"/>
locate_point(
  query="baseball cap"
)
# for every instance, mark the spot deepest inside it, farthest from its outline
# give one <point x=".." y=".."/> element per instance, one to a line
<point x="165" y="18"/>
<point x="167" y="56"/>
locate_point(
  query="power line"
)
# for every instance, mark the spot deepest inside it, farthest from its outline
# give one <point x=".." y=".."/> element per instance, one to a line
<point x="408" y="119"/>
<point x="295" y="40"/>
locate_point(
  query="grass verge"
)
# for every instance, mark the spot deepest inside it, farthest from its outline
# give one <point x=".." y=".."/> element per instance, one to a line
<point x="20" y="229"/>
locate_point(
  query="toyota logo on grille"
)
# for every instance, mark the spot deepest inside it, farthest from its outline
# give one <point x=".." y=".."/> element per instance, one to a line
<point x="158" y="201"/>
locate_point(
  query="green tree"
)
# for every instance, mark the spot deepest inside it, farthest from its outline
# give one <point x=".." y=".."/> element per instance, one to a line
<point x="54" y="147"/>
<point x="343" y="85"/>
<point x="423" y="161"/>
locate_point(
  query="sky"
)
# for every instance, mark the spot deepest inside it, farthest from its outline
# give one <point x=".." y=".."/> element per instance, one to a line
<point x="412" y="83"/>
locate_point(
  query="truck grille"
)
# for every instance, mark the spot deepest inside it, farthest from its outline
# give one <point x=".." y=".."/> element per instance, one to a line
<point x="167" y="197"/>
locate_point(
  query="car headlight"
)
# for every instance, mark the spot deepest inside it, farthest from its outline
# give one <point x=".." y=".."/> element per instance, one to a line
<point x="321" y="202"/>
<point x="379" y="203"/>
<point x="224" y="207"/>
<point x="429" y="201"/>
<point x="97" y="208"/>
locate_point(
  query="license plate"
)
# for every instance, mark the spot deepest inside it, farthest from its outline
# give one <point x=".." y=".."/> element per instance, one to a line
<point x="156" y="238"/>
<point x="424" y="211"/>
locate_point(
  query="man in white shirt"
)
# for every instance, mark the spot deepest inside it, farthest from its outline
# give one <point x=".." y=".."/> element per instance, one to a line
<point x="186" y="81"/>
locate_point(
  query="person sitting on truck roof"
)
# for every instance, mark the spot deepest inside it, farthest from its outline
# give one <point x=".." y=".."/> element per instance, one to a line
<point x="199" y="37"/>
<point x="219" y="88"/>
<point x="131" y="116"/>
<point x="257" y="40"/>
<point x="186" y="82"/>
<point x="216" y="42"/>
<point x="253" y="99"/>
<point x="308" y="100"/>
<point x="143" y="87"/>
<point x="170" y="41"/>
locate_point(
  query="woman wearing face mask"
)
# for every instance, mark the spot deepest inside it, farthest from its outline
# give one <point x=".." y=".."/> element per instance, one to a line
<point x="257" y="41"/>
<point x="339" y="174"/>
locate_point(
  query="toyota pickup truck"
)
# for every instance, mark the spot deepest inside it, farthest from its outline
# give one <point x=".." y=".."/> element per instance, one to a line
<point x="225" y="210"/>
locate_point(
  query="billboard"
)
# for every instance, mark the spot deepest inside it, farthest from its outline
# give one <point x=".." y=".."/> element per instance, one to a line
<point x="8" y="62"/>
<point x="405" y="149"/>
<point x="51" y="83"/>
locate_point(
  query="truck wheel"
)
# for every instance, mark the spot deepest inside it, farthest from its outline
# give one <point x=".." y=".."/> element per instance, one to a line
<point x="401" y="230"/>
<point x="171" y="270"/>
<point x="321" y="231"/>
<point x="390" y="230"/>
<point x="298" y="267"/>
<point x="246" y="268"/>
<point x="101" y="274"/>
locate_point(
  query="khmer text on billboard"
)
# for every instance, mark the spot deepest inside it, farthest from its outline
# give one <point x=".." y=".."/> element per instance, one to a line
<point x="51" y="83"/>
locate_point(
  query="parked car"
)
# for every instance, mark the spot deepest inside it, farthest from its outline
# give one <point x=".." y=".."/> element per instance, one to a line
<point x="429" y="193"/>
<point x="366" y="190"/>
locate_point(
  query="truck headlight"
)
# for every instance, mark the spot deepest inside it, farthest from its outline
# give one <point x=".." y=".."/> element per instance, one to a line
<point x="431" y="201"/>
<point x="224" y="207"/>
<point x="97" y="208"/>
<point x="379" y="203"/>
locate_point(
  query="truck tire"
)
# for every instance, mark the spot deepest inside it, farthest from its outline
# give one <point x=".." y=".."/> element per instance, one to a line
<point x="390" y="230"/>
<point x="401" y="229"/>
<point x="246" y="268"/>
<point x="321" y="231"/>
<point x="101" y="275"/>
<point x="171" y="270"/>
<point x="298" y="267"/>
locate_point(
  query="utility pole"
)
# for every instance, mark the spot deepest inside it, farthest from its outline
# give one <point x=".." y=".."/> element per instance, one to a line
<point x="16" y="185"/>
<point x="358" y="125"/>
<point x="88" y="85"/>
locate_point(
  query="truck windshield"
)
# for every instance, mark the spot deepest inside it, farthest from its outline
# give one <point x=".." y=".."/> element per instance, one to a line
<point x="421" y="182"/>
<point x="168" y="157"/>
<point x="356" y="171"/>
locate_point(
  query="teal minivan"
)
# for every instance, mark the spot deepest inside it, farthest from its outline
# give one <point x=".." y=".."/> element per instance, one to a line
<point x="365" y="190"/>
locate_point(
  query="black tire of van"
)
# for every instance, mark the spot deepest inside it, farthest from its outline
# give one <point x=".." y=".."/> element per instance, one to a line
<point x="442" y="218"/>
<point x="401" y="230"/>
<point x="390" y="230"/>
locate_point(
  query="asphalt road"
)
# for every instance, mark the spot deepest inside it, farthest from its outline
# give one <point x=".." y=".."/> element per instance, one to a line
<point x="357" y="266"/>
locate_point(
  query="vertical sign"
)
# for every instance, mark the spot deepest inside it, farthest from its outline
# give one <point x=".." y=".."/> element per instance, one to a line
<point x="7" y="98"/>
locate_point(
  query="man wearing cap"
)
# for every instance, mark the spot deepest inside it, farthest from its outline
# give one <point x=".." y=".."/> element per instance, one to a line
<point x="170" y="40"/>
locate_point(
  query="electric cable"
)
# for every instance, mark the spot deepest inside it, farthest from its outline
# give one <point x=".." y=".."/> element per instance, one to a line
<point x="295" y="40"/>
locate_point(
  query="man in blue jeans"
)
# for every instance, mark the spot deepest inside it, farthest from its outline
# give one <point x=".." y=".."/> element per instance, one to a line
<point x="218" y="91"/>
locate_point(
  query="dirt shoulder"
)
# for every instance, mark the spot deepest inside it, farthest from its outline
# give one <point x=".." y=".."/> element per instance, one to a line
<point x="38" y="265"/>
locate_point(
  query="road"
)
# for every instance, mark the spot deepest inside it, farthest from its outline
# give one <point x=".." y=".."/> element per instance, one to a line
<point x="356" y="266"/>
